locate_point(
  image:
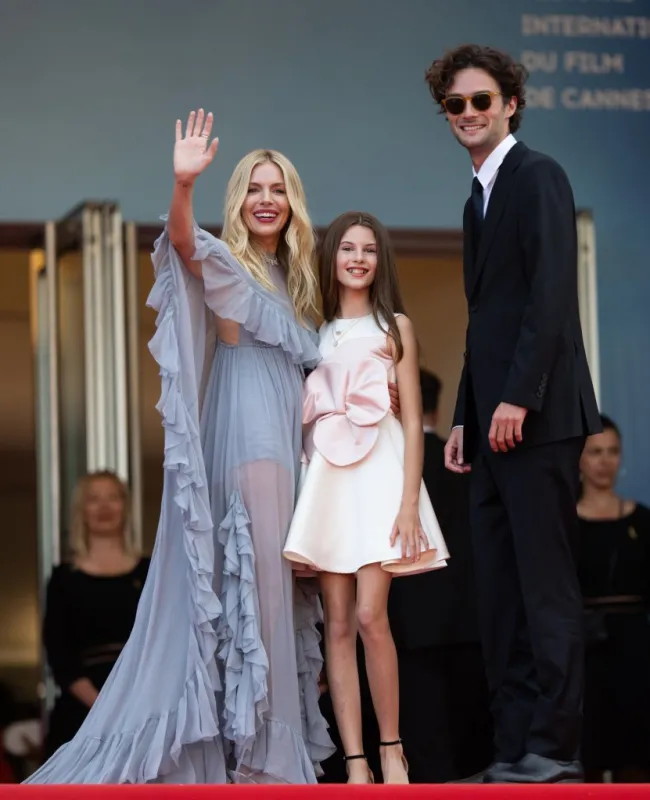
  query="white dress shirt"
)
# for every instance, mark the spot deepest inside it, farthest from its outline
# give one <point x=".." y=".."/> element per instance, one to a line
<point x="489" y="170"/>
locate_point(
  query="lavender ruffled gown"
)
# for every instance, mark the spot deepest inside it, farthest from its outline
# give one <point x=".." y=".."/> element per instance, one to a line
<point x="219" y="679"/>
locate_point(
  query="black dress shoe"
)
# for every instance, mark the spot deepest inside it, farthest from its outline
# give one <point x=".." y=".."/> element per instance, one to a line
<point x="480" y="777"/>
<point x="538" y="769"/>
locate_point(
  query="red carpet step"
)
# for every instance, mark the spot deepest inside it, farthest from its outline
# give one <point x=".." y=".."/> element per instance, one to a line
<point x="326" y="792"/>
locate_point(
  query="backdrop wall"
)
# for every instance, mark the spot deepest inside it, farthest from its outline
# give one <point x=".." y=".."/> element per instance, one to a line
<point x="91" y="92"/>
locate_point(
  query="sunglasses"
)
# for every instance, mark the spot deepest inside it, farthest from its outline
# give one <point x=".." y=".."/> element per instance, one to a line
<point x="481" y="101"/>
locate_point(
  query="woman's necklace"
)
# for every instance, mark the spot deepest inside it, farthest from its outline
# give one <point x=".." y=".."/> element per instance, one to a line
<point x="339" y="333"/>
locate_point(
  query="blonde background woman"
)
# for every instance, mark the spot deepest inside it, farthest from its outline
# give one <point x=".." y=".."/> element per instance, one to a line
<point x="219" y="680"/>
<point x="92" y="599"/>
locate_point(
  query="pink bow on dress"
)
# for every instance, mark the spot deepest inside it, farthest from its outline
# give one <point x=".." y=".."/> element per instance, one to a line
<point x="343" y="405"/>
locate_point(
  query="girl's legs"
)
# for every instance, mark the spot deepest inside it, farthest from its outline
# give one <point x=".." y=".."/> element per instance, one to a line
<point x="373" y="585"/>
<point x="342" y="672"/>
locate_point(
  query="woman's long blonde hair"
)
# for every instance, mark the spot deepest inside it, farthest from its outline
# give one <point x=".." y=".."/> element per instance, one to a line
<point x="297" y="245"/>
<point x="78" y="538"/>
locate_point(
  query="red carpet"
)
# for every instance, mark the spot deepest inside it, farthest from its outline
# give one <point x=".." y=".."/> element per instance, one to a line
<point x="435" y="792"/>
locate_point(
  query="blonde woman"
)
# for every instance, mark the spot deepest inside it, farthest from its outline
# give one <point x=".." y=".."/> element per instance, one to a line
<point x="91" y="601"/>
<point x="219" y="681"/>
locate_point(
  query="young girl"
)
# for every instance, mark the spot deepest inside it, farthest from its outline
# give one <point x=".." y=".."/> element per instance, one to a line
<point x="363" y="514"/>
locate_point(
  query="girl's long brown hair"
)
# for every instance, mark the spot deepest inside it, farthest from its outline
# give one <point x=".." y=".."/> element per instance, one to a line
<point x="385" y="296"/>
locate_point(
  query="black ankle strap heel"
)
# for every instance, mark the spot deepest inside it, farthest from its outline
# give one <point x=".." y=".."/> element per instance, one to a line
<point x="371" y="777"/>
<point x="393" y="744"/>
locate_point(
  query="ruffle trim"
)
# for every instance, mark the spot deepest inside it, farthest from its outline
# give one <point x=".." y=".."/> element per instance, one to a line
<point x="187" y="742"/>
<point x="183" y="461"/>
<point x="165" y="744"/>
<point x="227" y="627"/>
<point x="307" y="614"/>
<point x="232" y="293"/>
<point x="278" y="754"/>
<point x="144" y="756"/>
<point x="261" y="745"/>
<point x="241" y="652"/>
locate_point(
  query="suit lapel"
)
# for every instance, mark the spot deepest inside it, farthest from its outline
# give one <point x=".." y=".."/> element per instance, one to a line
<point x="495" y="209"/>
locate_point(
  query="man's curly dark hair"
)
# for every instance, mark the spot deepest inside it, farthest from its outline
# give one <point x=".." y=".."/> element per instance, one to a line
<point x="510" y="76"/>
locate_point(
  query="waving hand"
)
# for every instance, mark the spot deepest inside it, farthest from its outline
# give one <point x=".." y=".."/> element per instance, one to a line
<point x="192" y="154"/>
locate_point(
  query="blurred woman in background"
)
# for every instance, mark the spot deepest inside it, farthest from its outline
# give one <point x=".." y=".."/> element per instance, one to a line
<point x="614" y="571"/>
<point x="91" y="601"/>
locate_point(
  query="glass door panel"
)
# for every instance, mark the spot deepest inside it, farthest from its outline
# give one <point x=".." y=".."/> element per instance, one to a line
<point x="83" y="372"/>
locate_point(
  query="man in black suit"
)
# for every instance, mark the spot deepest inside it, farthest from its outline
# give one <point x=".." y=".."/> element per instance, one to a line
<point x="444" y="713"/>
<point x="525" y="405"/>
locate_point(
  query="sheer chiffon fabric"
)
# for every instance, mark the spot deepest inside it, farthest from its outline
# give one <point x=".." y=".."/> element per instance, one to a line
<point x="218" y="682"/>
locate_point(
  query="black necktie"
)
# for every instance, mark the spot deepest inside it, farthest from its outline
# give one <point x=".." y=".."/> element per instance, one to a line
<point x="477" y="205"/>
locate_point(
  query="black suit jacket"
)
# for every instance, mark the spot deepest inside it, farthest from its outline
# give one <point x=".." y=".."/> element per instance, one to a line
<point x="524" y="342"/>
<point x="439" y="607"/>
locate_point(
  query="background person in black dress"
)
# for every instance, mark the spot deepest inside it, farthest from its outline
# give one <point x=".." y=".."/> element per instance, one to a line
<point x="444" y="711"/>
<point x="525" y="404"/>
<point x="614" y="572"/>
<point x="91" y="602"/>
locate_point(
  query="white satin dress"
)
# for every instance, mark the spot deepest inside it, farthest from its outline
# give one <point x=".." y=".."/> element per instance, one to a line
<point x="353" y="471"/>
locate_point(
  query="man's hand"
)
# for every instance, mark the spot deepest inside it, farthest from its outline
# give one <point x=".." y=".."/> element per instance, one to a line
<point x="454" y="452"/>
<point x="393" y="391"/>
<point x="506" y="428"/>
